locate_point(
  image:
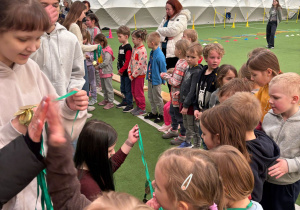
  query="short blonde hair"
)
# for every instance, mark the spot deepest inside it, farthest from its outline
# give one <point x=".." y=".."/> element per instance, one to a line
<point x="237" y="176"/>
<point x="213" y="46"/>
<point x="182" y="45"/>
<point x="117" y="200"/>
<point x="248" y="106"/>
<point x="154" y="37"/>
<point x="195" y="48"/>
<point x="191" y="34"/>
<point x="233" y="86"/>
<point x="288" y="82"/>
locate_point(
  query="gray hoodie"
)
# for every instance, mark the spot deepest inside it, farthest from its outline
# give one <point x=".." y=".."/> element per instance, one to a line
<point x="60" y="58"/>
<point x="286" y="135"/>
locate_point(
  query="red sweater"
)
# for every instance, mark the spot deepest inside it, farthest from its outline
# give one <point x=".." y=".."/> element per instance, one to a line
<point x="89" y="186"/>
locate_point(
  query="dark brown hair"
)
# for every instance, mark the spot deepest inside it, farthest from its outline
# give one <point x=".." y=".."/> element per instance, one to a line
<point x="176" y="5"/>
<point x="75" y="11"/>
<point x="23" y="15"/>
<point x="125" y="30"/>
<point x="93" y="17"/>
<point x="222" y="71"/>
<point x="140" y="33"/>
<point x="226" y="122"/>
<point x="101" y="38"/>
<point x="233" y="86"/>
<point x="196" y="48"/>
<point x="88" y="3"/>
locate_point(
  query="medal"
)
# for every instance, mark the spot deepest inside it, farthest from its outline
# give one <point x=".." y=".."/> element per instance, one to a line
<point x="94" y="63"/>
<point x="25" y="114"/>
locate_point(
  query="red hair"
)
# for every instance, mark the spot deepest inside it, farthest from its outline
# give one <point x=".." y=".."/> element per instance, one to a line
<point x="176" y="5"/>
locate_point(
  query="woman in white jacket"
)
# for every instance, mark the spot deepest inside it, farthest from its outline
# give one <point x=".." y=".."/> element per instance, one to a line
<point x="171" y="29"/>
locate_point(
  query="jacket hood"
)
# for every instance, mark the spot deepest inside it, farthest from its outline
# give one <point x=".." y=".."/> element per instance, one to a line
<point x="263" y="149"/>
<point x="58" y="28"/>
<point x="6" y="70"/>
<point x="295" y="117"/>
<point x="185" y="12"/>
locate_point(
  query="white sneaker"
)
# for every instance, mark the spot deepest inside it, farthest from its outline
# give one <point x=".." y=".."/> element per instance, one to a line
<point x="164" y="127"/>
<point x="90" y="108"/>
<point x="89" y="115"/>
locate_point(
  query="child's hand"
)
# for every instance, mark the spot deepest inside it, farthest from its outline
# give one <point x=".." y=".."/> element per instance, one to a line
<point x="162" y="75"/>
<point x="279" y="169"/>
<point x="87" y="57"/>
<point x="176" y="93"/>
<point x="197" y="114"/>
<point x="78" y="101"/>
<point x="120" y="73"/>
<point x="133" y="135"/>
<point x="130" y="78"/>
<point x="184" y="111"/>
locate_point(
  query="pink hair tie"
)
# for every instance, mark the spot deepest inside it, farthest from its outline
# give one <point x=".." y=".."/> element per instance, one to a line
<point x="213" y="207"/>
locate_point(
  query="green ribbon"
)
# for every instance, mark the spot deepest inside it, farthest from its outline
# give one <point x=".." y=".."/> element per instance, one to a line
<point x="144" y="162"/>
<point x="41" y="179"/>
<point x="99" y="51"/>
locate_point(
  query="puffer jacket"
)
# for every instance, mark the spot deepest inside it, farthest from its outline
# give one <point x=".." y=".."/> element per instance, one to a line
<point x="175" y="29"/>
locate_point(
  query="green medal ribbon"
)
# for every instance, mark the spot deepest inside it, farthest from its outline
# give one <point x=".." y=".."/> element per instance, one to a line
<point x="99" y="51"/>
<point x="41" y="179"/>
<point x="247" y="207"/>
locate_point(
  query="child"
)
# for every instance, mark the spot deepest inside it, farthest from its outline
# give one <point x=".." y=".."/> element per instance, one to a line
<point x="27" y="84"/>
<point x="187" y="179"/>
<point x="137" y="69"/>
<point x="262" y="149"/>
<point x="93" y="27"/>
<point x="124" y="56"/>
<point x="263" y="67"/>
<point x="187" y="92"/>
<point x="192" y="36"/>
<point x="282" y="124"/>
<point x="237" y="178"/>
<point x="245" y="74"/>
<point x="222" y="125"/>
<point x="95" y="157"/>
<point x="91" y="69"/>
<point x="175" y="80"/>
<point x="233" y="86"/>
<point x="224" y="75"/>
<point x="156" y="65"/>
<point x="106" y="72"/>
<point x="206" y="83"/>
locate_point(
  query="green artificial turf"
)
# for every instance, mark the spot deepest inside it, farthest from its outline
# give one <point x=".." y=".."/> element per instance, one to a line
<point x="131" y="177"/>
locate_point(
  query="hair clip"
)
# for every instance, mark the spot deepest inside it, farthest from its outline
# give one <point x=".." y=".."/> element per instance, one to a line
<point x="187" y="180"/>
<point x="213" y="207"/>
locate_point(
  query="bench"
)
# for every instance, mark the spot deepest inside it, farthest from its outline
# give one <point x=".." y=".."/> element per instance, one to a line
<point x="166" y="96"/>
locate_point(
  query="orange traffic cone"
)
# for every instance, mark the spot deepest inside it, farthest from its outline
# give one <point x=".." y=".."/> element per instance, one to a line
<point x="110" y="34"/>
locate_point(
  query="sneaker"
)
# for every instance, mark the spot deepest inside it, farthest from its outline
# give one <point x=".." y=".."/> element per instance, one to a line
<point x="177" y="140"/>
<point x="170" y="134"/>
<point x="121" y="105"/>
<point x="108" y="106"/>
<point x="139" y="112"/>
<point x="92" y="102"/>
<point x="164" y="127"/>
<point x="135" y="110"/>
<point x="90" y="108"/>
<point x="159" y="119"/>
<point x="128" y="108"/>
<point x="150" y="115"/>
<point x="89" y="115"/>
<point x="185" y="145"/>
<point x="103" y="103"/>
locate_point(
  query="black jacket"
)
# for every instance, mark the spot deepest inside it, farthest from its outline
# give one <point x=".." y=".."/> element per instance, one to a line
<point x="263" y="153"/>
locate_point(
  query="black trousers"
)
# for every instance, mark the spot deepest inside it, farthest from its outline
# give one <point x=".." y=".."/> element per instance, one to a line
<point x="171" y="63"/>
<point x="280" y="197"/>
<point x="271" y="29"/>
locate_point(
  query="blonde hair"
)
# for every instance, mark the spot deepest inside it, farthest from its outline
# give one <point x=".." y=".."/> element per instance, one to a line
<point x="237" y="176"/>
<point x="117" y="200"/>
<point x="233" y="86"/>
<point x="262" y="61"/>
<point x="154" y="37"/>
<point x="288" y="82"/>
<point x="195" y="48"/>
<point x="191" y="34"/>
<point x="124" y="30"/>
<point x="182" y="45"/>
<point x="248" y="107"/>
<point x="205" y="187"/>
<point x="86" y="35"/>
<point x="226" y="122"/>
<point x="213" y="46"/>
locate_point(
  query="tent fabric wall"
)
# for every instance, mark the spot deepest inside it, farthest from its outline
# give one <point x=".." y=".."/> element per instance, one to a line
<point x="149" y="13"/>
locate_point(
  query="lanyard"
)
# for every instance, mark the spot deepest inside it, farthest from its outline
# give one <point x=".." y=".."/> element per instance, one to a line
<point x="247" y="207"/>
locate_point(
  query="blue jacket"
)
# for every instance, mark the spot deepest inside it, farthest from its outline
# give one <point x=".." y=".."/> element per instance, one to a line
<point x="158" y="66"/>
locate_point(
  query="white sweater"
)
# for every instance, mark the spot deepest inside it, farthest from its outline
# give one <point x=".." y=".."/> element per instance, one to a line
<point x="27" y="85"/>
<point x="175" y="29"/>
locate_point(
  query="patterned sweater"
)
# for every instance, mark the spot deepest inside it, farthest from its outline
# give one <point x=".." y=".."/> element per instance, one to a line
<point x="175" y="80"/>
<point x="138" y="63"/>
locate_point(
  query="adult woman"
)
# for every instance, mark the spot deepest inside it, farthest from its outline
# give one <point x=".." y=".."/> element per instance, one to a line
<point x="171" y="29"/>
<point x="64" y="11"/>
<point x="73" y="23"/>
<point x="274" y="19"/>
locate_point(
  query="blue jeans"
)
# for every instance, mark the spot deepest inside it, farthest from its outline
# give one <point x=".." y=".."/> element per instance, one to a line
<point x="86" y="77"/>
<point x="126" y="89"/>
